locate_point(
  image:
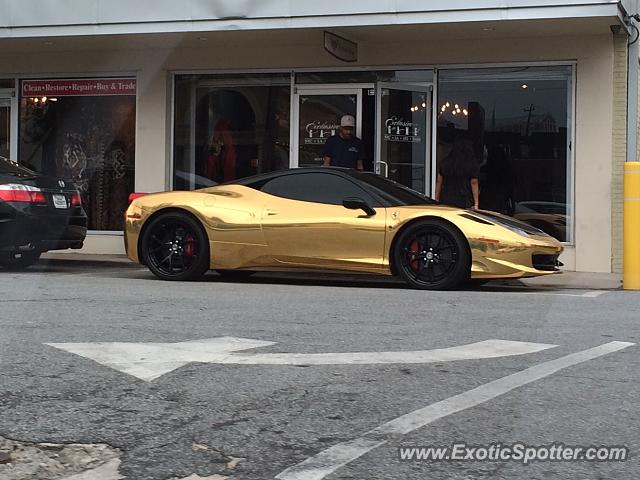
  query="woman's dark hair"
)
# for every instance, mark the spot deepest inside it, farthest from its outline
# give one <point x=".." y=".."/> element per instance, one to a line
<point x="460" y="162"/>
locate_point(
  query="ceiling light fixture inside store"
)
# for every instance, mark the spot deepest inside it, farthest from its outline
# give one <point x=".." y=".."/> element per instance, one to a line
<point x="525" y="86"/>
<point x="455" y="110"/>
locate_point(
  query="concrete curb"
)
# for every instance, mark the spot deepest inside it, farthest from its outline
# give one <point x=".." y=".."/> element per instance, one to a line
<point x="87" y="259"/>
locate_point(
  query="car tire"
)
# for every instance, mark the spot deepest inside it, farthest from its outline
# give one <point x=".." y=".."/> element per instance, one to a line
<point x="235" y="275"/>
<point x="432" y="254"/>
<point x="175" y="247"/>
<point x="19" y="261"/>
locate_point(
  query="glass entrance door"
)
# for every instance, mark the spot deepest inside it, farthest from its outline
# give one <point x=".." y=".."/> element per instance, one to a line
<point x="317" y="113"/>
<point x="5" y="127"/>
<point x="403" y="136"/>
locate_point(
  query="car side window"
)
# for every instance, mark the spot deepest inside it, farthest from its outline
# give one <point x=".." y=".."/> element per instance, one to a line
<point x="315" y="187"/>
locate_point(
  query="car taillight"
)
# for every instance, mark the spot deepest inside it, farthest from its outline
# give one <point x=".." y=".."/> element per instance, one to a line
<point x="135" y="195"/>
<point x="14" y="192"/>
<point x="76" y="200"/>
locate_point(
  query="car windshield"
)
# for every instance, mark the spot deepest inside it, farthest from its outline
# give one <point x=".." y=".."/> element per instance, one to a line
<point x="394" y="193"/>
<point x="7" y="167"/>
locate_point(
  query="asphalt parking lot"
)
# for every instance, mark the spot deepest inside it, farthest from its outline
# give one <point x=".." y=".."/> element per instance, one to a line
<point x="307" y="377"/>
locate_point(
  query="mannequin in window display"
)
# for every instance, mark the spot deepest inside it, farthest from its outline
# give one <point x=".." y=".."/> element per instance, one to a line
<point x="222" y="154"/>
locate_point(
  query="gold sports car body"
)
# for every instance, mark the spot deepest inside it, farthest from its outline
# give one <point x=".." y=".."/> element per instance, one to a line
<point x="330" y="219"/>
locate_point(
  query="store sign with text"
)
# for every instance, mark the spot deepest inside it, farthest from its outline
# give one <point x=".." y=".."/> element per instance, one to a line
<point x="398" y="130"/>
<point x="79" y="87"/>
<point x="318" y="132"/>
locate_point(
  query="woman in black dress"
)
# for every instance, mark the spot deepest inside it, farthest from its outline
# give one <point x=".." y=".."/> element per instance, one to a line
<point x="457" y="181"/>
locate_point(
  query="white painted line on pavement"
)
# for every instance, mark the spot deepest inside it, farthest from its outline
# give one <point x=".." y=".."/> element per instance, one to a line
<point x="335" y="457"/>
<point x="594" y="294"/>
<point x="148" y="361"/>
<point x="590" y="294"/>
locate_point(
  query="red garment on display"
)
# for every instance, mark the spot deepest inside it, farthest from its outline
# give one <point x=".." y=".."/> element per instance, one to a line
<point x="221" y="160"/>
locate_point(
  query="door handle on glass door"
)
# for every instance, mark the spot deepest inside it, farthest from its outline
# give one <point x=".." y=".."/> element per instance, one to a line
<point x="386" y="168"/>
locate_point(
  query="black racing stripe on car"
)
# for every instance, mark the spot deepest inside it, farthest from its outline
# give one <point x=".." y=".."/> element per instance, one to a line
<point x="510" y="222"/>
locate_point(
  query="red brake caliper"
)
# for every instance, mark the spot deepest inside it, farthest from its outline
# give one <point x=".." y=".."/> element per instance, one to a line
<point x="189" y="246"/>
<point x="414" y="249"/>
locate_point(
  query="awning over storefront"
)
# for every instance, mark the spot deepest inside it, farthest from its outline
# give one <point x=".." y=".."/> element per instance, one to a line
<point x="34" y="18"/>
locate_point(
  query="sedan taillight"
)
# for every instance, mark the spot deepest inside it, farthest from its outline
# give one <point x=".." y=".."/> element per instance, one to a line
<point x="17" y="193"/>
<point x="76" y="200"/>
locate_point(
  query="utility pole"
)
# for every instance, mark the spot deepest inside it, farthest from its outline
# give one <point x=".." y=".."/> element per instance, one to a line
<point x="530" y="109"/>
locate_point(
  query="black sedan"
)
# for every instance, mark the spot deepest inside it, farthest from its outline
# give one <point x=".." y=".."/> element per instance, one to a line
<point x="37" y="213"/>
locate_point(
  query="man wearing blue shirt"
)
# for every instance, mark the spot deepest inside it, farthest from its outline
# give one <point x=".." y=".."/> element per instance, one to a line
<point x="344" y="149"/>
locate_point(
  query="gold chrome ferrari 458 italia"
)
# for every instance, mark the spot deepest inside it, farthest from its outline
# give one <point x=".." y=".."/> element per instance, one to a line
<point x="330" y="219"/>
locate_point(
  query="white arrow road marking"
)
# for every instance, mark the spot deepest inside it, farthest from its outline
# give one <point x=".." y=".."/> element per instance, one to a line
<point x="472" y="351"/>
<point x="149" y="361"/>
<point x="331" y="459"/>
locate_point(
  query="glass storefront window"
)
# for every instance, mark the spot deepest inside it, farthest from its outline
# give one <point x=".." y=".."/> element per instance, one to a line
<point x="83" y="130"/>
<point x="516" y="123"/>
<point x="229" y="127"/>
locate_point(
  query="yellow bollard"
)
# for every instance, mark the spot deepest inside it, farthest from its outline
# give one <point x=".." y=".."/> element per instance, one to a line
<point x="631" y="276"/>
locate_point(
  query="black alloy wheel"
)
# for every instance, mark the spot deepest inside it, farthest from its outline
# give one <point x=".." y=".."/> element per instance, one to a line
<point x="432" y="255"/>
<point x="175" y="247"/>
<point x="19" y="260"/>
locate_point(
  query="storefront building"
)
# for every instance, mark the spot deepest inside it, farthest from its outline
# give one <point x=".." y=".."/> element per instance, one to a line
<point x="183" y="95"/>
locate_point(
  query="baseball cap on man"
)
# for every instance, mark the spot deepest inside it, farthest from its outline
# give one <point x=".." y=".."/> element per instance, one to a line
<point x="347" y="121"/>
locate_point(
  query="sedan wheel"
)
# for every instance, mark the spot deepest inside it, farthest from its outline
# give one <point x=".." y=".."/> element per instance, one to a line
<point x="19" y="261"/>
<point x="175" y="247"/>
<point x="432" y="255"/>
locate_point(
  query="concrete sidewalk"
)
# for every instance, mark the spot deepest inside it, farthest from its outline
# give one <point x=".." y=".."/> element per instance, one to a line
<point x="575" y="280"/>
<point x="578" y="280"/>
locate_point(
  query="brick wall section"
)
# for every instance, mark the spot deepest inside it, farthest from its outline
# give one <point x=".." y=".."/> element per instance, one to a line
<point x="619" y="154"/>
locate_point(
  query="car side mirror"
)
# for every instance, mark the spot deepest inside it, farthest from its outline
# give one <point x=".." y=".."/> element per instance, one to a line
<point x="355" y="203"/>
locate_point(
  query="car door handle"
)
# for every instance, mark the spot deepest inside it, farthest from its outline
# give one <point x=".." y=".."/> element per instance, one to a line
<point x="268" y="211"/>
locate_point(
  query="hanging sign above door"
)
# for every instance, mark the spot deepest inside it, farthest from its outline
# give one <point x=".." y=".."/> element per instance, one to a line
<point x="340" y="47"/>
